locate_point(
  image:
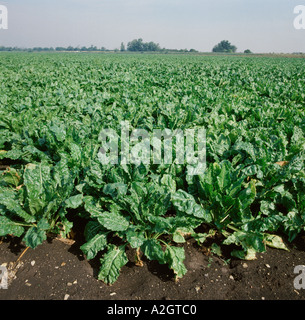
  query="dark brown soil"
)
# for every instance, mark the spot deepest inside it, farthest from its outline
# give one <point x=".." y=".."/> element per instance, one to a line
<point x="58" y="271"/>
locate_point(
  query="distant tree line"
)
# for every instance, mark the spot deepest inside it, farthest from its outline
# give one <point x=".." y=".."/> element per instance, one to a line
<point x="41" y="49"/>
<point x="136" y="45"/>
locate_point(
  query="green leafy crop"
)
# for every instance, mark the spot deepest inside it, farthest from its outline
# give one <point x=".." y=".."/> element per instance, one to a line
<point x="54" y="106"/>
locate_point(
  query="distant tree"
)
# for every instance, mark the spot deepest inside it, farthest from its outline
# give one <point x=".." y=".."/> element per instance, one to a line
<point x="123" y="47"/>
<point x="247" y="51"/>
<point x="224" y="46"/>
<point x="139" y="45"/>
<point x="151" y="46"/>
<point x="135" y="45"/>
<point x="92" y="48"/>
<point x="193" y="50"/>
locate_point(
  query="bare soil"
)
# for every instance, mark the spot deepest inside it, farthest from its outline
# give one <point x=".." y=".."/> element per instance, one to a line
<point x="58" y="271"/>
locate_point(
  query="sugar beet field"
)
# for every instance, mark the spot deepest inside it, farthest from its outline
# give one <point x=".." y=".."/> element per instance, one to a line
<point x="161" y="219"/>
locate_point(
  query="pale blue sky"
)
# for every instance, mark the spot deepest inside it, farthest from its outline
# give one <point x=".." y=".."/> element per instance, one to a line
<point x="260" y="25"/>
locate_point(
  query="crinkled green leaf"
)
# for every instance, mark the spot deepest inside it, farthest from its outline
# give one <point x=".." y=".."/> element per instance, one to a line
<point x="43" y="224"/>
<point x="37" y="181"/>
<point x="224" y="178"/>
<point x="8" y="226"/>
<point x="92" y="229"/>
<point x="152" y="249"/>
<point x="185" y="202"/>
<point x="74" y="201"/>
<point x="94" y="245"/>
<point x="134" y="237"/>
<point x="115" y="189"/>
<point x="113" y="221"/>
<point x="10" y="201"/>
<point x="34" y="237"/>
<point x="111" y="264"/>
<point x="175" y="256"/>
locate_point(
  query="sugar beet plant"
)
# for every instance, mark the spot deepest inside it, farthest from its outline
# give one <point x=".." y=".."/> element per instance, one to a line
<point x="54" y="106"/>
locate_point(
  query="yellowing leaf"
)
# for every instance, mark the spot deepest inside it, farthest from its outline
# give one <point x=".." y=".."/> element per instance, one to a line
<point x="274" y="241"/>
